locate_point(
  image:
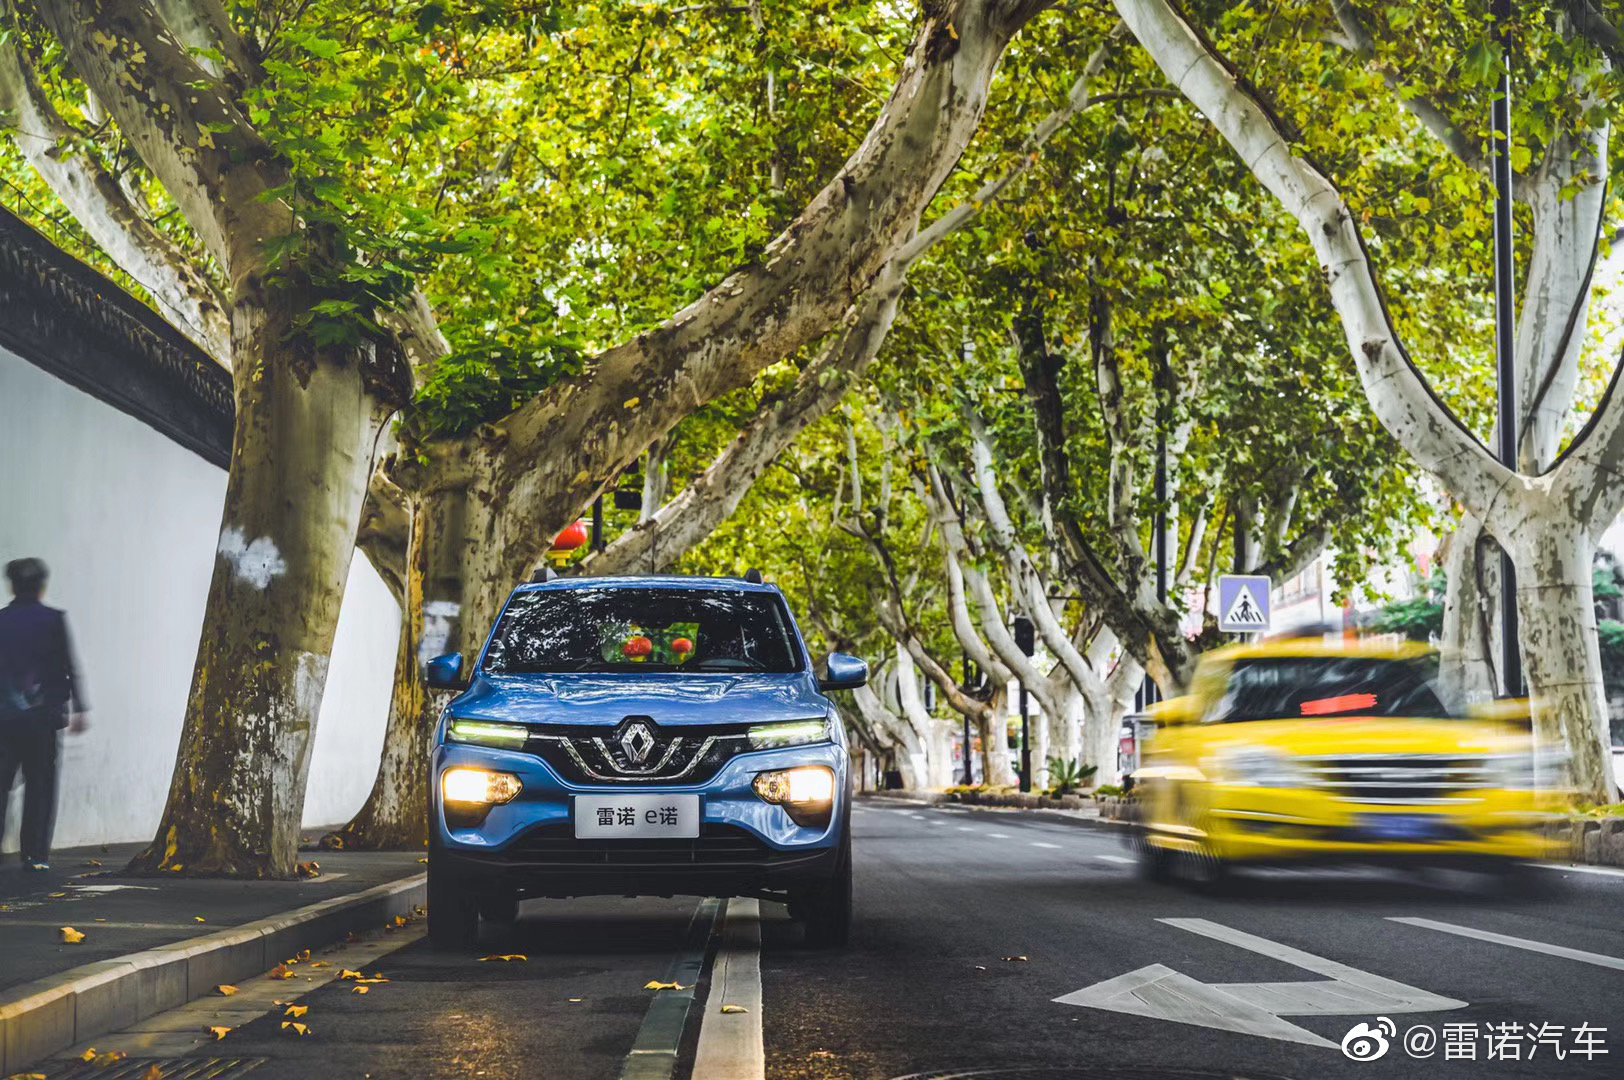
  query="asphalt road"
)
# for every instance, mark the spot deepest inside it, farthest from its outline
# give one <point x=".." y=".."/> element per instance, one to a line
<point x="944" y="896"/>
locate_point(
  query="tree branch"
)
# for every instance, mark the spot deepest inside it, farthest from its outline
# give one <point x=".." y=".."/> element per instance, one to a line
<point x="185" y="295"/>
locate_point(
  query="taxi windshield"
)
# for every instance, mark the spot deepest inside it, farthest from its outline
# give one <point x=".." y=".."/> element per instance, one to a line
<point x="626" y="629"/>
<point x="1289" y="687"/>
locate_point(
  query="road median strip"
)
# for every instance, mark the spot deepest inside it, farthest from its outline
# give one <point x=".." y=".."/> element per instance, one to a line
<point x="43" y="1017"/>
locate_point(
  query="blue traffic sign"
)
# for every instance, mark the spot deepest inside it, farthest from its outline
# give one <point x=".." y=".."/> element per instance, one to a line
<point x="1243" y="603"/>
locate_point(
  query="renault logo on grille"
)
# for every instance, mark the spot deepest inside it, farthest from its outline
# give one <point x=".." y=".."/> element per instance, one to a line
<point x="638" y="742"/>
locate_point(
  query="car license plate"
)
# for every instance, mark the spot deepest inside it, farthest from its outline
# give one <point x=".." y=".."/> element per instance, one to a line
<point x="1401" y="828"/>
<point x="615" y="817"/>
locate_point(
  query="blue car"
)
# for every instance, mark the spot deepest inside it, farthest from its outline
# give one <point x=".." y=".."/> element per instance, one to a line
<point x="647" y="736"/>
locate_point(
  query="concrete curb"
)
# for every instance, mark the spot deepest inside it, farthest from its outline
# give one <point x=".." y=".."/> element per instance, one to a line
<point x="1063" y="817"/>
<point x="48" y="1015"/>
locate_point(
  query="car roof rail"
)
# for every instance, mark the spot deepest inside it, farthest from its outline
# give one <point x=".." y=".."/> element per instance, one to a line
<point x="543" y="574"/>
<point x="753" y="576"/>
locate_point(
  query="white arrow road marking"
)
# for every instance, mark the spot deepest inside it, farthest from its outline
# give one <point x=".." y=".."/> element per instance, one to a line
<point x="1599" y="959"/>
<point x="1159" y="992"/>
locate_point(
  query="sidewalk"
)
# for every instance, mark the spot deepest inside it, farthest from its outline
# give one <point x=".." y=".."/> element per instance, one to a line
<point x="154" y="943"/>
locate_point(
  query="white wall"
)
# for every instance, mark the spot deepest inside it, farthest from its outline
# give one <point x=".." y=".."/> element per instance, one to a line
<point x="127" y="521"/>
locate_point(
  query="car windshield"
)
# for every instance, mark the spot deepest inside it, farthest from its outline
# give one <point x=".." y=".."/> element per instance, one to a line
<point x="1286" y="687"/>
<point x="625" y="629"/>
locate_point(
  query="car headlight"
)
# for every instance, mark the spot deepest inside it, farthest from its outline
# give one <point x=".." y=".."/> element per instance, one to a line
<point x="794" y="733"/>
<point x="479" y="787"/>
<point x="807" y="793"/>
<point x="1256" y="767"/>
<point x="485" y="733"/>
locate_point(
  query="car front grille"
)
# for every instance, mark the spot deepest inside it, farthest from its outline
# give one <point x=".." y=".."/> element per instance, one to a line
<point x="556" y="845"/>
<point x="1401" y="779"/>
<point x="594" y="755"/>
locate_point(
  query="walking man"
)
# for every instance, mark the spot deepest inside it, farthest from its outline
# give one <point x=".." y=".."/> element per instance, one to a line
<point x="39" y="692"/>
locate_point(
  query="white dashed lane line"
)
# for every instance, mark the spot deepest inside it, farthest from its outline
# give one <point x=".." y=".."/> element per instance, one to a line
<point x="1598" y="959"/>
<point x="1040" y="843"/>
<point x="1000" y="836"/>
<point x="1115" y="858"/>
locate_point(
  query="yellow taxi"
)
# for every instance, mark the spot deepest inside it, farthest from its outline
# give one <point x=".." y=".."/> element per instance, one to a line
<point x="1286" y="752"/>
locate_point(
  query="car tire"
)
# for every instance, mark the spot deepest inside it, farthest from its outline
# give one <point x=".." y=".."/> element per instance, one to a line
<point x="499" y="908"/>
<point x="825" y="909"/>
<point x="1155" y="864"/>
<point x="453" y="913"/>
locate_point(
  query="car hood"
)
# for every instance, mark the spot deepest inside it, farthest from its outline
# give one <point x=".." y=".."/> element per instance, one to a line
<point x="1340" y="736"/>
<point x="667" y="699"/>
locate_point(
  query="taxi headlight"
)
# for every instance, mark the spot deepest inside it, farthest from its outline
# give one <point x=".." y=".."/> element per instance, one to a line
<point x="794" y="733"/>
<point x="807" y="793"/>
<point x="1256" y="767"/>
<point x="479" y="787"/>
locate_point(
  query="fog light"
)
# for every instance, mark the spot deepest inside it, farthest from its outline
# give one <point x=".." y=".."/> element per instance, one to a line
<point x="807" y="793"/>
<point x="478" y="787"/>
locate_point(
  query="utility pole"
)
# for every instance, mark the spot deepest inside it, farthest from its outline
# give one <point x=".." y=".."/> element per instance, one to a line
<point x="1505" y="340"/>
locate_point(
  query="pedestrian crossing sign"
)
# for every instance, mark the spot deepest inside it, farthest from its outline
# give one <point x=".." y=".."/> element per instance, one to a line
<point x="1243" y="603"/>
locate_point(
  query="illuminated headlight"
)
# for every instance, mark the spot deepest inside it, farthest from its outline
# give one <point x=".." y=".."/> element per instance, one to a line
<point x="482" y="733"/>
<point x="1261" y="768"/>
<point x="479" y="787"/>
<point x="807" y="793"/>
<point x="794" y="733"/>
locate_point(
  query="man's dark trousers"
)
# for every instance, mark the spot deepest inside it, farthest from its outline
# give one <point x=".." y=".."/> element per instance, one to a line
<point x="31" y="743"/>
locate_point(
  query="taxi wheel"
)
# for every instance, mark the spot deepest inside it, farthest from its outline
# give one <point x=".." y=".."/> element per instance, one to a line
<point x="826" y="908"/>
<point x="1206" y="872"/>
<point x="1155" y="864"/>
<point x="453" y="913"/>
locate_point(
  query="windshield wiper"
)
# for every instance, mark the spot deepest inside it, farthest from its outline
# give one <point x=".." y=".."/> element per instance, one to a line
<point x="725" y="663"/>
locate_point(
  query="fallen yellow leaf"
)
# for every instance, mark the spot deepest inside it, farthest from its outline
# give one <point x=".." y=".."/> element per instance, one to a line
<point x="346" y="973"/>
<point x="505" y="958"/>
<point x="321" y="963"/>
<point x="398" y="921"/>
<point x="423" y="861"/>
<point x="56" y="895"/>
<point x="93" y="862"/>
<point x="297" y="1029"/>
<point x="280" y="971"/>
<point x="304" y="954"/>
<point x="226" y="989"/>
<point x="655" y="984"/>
<point x="296" y="1011"/>
<point x="729" y="1009"/>
<point x="177" y="868"/>
<point x="88" y="1055"/>
<point x="195" y="918"/>
<point x="70" y="936"/>
<point x="27" y="1076"/>
<point x="220" y="1032"/>
<point x="112" y="1057"/>
<point x="360" y="989"/>
<point x="154" y="1073"/>
<point x="373" y="981"/>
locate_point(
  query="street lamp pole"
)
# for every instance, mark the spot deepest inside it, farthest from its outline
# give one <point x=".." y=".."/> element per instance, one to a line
<point x="969" y="775"/>
<point x="1505" y="340"/>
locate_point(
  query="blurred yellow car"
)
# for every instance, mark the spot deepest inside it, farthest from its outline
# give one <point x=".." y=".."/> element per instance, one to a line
<point x="1287" y="752"/>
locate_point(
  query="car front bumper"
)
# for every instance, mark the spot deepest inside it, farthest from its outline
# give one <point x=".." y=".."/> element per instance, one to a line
<point x="746" y="847"/>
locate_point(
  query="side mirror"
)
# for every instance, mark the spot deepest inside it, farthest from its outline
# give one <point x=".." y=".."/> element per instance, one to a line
<point x="445" y="672"/>
<point x="845" y="673"/>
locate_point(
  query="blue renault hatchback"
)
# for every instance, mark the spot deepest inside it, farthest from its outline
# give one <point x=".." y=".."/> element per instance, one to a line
<point x="650" y="736"/>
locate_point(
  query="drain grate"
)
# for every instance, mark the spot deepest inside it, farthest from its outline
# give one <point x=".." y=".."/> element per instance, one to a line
<point x="181" y="1068"/>
<point x="1085" y="1072"/>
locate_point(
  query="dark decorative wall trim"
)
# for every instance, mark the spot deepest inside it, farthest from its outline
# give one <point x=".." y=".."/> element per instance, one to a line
<point x="62" y="316"/>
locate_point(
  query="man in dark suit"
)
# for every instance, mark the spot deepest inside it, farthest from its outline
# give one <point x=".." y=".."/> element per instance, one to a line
<point x="39" y="693"/>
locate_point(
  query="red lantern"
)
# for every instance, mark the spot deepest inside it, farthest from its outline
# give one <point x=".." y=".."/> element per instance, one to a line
<point x="682" y="646"/>
<point x="572" y="537"/>
<point x="638" y="648"/>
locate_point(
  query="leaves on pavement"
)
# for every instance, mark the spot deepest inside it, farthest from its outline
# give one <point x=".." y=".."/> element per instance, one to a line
<point x="359" y="989"/>
<point x="655" y="984"/>
<point x="280" y="971"/>
<point x="296" y="1011"/>
<point x="295" y="1028"/>
<point x="225" y="989"/>
<point x="504" y="958"/>
<point x="70" y="936"/>
<point x="730" y="1009"/>
<point x="219" y="1032"/>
